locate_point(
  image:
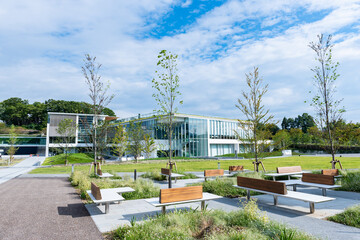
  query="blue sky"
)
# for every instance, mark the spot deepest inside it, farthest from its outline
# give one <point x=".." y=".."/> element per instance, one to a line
<point x="42" y="46"/>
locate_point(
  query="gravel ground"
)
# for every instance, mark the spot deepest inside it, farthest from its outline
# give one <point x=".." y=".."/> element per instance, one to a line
<point x="43" y="208"/>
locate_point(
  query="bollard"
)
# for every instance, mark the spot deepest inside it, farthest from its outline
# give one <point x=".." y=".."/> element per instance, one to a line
<point x="134" y="174"/>
<point x="170" y="181"/>
<point x="72" y="168"/>
<point x="218" y="165"/>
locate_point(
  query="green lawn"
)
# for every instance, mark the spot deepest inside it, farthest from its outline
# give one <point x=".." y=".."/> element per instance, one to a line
<point x="72" y="158"/>
<point x="306" y="162"/>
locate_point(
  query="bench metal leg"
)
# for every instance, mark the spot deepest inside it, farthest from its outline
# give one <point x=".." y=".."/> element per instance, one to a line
<point x="275" y="200"/>
<point x="202" y="205"/>
<point x="175" y="179"/>
<point x="273" y="178"/>
<point x="289" y="177"/>
<point x="248" y="194"/>
<point x="107" y="205"/>
<point x="312" y="207"/>
<point x="294" y="187"/>
<point x="163" y="209"/>
<point x="324" y="191"/>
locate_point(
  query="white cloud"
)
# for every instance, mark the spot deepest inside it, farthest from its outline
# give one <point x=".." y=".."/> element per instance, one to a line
<point x="42" y="46"/>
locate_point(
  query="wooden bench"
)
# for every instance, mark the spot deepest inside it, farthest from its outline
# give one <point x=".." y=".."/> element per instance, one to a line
<point x="314" y="180"/>
<point x="286" y="171"/>
<point x="174" y="196"/>
<point x="167" y="172"/>
<point x="103" y="175"/>
<point x="278" y="189"/>
<point x="213" y="173"/>
<point x="236" y="169"/>
<point x="107" y="196"/>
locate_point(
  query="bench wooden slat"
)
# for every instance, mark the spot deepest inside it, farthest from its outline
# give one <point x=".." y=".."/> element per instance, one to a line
<point x="236" y="168"/>
<point x="95" y="191"/>
<point x="331" y="172"/>
<point x="288" y="169"/>
<point x="165" y="171"/>
<point x="318" y="178"/>
<point x="180" y="194"/>
<point x="214" y="172"/>
<point x="265" y="185"/>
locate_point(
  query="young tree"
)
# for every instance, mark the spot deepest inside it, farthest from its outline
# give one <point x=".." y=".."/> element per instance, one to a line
<point x="120" y="141"/>
<point x="282" y="139"/>
<point x="67" y="131"/>
<point x="167" y="92"/>
<point x="136" y="137"/>
<point x="12" y="141"/>
<point x="149" y="145"/>
<point x="99" y="99"/>
<point x="324" y="102"/>
<point x="252" y="107"/>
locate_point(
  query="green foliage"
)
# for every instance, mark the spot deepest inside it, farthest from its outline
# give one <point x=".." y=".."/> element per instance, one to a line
<point x="256" y="115"/>
<point x="67" y="131"/>
<point x="350" y="217"/>
<point x="143" y="188"/>
<point x="72" y="159"/>
<point x="248" y="223"/>
<point x="136" y="136"/>
<point x="350" y="181"/>
<point x="167" y="91"/>
<point x="12" y="142"/>
<point x="324" y="102"/>
<point x="20" y="112"/>
<point x="224" y="186"/>
<point x="282" y="140"/>
<point x="306" y="163"/>
<point x="120" y="142"/>
<point x="149" y="145"/>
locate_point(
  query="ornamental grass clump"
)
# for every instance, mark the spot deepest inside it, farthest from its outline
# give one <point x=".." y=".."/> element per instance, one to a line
<point x="247" y="223"/>
<point x="143" y="188"/>
<point x="350" y="181"/>
<point x="350" y="217"/>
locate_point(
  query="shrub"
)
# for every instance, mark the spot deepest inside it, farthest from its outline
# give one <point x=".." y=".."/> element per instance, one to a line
<point x="249" y="223"/>
<point x="350" y="181"/>
<point x="350" y="217"/>
<point x="143" y="188"/>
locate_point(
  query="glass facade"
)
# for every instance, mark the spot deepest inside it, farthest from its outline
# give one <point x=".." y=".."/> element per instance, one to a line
<point x="224" y="129"/>
<point x="85" y="123"/>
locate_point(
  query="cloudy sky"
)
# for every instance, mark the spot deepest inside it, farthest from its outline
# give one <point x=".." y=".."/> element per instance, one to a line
<point x="43" y="42"/>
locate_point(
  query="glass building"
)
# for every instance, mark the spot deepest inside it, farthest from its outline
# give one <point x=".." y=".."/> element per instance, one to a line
<point x="192" y="135"/>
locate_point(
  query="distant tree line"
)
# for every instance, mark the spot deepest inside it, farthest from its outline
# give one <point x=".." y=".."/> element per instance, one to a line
<point x="303" y="132"/>
<point x="19" y="112"/>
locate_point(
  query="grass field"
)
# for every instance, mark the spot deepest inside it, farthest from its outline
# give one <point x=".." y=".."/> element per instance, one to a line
<point x="72" y="158"/>
<point x="306" y="162"/>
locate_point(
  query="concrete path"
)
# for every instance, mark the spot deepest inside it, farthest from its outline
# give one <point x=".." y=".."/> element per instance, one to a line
<point x="40" y="208"/>
<point x="30" y="163"/>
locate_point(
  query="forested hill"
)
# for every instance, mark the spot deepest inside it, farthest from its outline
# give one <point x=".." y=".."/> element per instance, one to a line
<point x="20" y="112"/>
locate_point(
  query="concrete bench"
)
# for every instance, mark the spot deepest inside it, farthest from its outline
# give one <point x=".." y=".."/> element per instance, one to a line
<point x="213" y="173"/>
<point x="167" y="172"/>
<point x="175" y="196"/>
<point x="314" y="180"/>
<point x="278" y="189"/>
<point x="286" y="171"/>
<point x="103" y="175"/>
<point x="108" y="195"/>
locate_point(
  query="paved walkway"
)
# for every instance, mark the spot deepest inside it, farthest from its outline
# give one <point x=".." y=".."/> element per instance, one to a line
<point x="30" y="163"/>
<point x="40" y="208"/>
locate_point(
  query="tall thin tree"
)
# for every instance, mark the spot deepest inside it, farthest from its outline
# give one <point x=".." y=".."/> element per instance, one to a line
<point x="167" y="92"/>
<point x="324" y="101"/>
<point x="98" y="93"/>
<point x="256" y="115"/>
